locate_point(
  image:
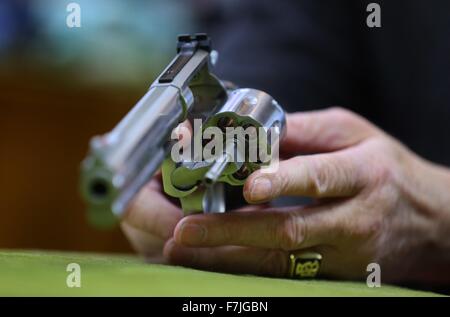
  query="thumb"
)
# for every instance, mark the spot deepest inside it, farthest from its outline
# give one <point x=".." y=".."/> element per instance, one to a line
<point x="322" y="175"/>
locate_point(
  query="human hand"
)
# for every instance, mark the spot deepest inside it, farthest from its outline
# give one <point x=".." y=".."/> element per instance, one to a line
<point x="376" y="201"/>
<point x="150" y="220"/>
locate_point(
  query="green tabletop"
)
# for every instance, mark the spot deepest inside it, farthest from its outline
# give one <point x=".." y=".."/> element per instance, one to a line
<point x="43" y="273"/>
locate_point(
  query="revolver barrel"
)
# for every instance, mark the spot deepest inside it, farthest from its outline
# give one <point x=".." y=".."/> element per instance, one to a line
<point x="122" y="161"/>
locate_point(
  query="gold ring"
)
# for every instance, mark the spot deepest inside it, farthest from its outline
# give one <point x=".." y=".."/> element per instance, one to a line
<point x="304" y="264"/>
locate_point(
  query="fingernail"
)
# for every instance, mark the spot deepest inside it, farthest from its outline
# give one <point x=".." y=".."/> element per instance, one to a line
<point x="192" y="234"/>
<point x="261" y="189"/>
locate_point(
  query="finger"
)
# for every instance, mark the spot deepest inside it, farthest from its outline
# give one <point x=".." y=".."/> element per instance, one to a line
<point x="251" y="208"/>
<point x="337" y="174"/>
<point x="144" y="243"/>
<point x="324" y="131"/>
<point x="285" y="229"/>
<point x="244" y="260"/>
<point x="338" y="264"/>
<point x="156" y="182"/>
<point x="152" y="212"/>
<point x="230" y="259"/>
<point x="183" y="133"/>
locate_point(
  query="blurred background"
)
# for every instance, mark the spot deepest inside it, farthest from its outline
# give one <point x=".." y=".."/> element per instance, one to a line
<point x="59" y="87"/>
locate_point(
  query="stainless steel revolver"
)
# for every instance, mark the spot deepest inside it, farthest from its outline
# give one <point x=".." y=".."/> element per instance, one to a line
<point x="122" y="161"/>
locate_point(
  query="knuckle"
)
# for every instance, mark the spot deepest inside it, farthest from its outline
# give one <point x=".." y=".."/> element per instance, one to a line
<point x="231" y="228"/>
<point x="139" y="204"/>
<point x="320" y="177"/>
<point x="341" y="113"/>
<point x="375" y="226"/>
<point x="274" y="263"/>
<point x="289" y="177"/>
<point x="346" y="117"/>
<point x="230" y="233"/>
<point x="148" y="218"/>
<point x="153" y="225"/>
<point x="382" y="175"/>
<point x="368" y="228"/>
<point x="279" y="184"/>
<point x="381" y="171"/>
<point x="336" y="176"/>
<point x="290" y="231"/>
<point x="131" y="215"/>
<point x="365" y="223"/>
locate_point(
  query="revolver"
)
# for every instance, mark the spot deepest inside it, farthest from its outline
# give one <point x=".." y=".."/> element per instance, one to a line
<point x="121" y="162"/>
